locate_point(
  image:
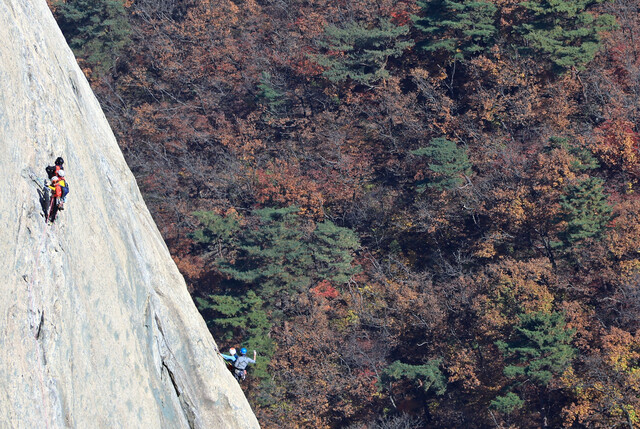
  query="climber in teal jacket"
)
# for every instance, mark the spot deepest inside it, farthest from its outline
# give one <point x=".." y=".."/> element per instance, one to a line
<point x="231" y="357"/>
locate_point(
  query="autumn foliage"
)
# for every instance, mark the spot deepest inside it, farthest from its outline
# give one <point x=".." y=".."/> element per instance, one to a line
<point x="421" y="213"/>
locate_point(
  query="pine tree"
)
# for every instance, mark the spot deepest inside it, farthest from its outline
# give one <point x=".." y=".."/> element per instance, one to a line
<point x="269" y="95"/>
<point x="277" y="254"/>
<point x="96" y="30"/>
<point x="274" y="255"/>
<point x="360" y="51"/>
<point x="539" y="350"/>
<point x="564" y="31"/>
<point x="461" y="28"/>
<point x="586" y="210"/>
<point x="448" y="163"/>
<point x="428" y="375"/>
<point x="332" y="249"/>
<point x="507" y="403"/>
<point x="217" y="232"/>
<point x="541" y="347"/>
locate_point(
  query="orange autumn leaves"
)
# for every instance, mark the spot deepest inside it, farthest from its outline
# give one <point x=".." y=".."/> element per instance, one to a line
<point x="618" y="146"/>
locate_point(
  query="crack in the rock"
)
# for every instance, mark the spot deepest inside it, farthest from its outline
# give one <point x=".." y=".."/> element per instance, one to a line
<point x="39" y="327"/>
<point x="168" y="361"/>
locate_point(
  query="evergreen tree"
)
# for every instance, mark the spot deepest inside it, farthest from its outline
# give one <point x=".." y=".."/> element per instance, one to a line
<point x="277" y="253"/>
<point x="243" y="319"/>
<point x="269" y="95"/>
<point x="507" y="403"/>
<point x="564" y="30"/>
<point x="586" y="210"/>
<point x="541" y="347"/>
<point x="360" y="52"/>
<point x="461" y="28"/>
<point x="274" y="255"/>
<point x="429" y="375"/>
<point x="332" y="249"/>
<point x="448" y="164"/>
<point x="217" y="232"/>
<point x="539" y="350"/>
<point x="96" y="30"/>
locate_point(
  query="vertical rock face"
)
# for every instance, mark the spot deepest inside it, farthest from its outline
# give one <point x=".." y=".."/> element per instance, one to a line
<point x="96" y="326"/>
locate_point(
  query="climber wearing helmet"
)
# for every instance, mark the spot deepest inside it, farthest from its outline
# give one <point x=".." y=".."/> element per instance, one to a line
<point x="231" y="357"/>
<point x="56" y="189"/>
<point x="59" y="164"/>
<point x="64" y="186"/>
<point x="53" y="170"/>
<point x="241" y="363"/>
<point x="59" y="187"/>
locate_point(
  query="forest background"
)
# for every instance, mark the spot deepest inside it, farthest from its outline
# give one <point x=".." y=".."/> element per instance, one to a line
<point x="420" y="213"/>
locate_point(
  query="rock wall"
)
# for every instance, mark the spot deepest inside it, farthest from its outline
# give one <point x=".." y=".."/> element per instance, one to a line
<point x="97" y="328"/>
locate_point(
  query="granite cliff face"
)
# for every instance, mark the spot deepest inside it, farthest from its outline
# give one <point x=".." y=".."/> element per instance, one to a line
<point x="97" y="328"/>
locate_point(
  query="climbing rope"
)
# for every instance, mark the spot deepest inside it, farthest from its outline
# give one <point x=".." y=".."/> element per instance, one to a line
<point x="229" y="364"/>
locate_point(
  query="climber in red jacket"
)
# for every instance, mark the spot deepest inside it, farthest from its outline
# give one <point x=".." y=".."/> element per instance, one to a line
<point x="56" y="195"/>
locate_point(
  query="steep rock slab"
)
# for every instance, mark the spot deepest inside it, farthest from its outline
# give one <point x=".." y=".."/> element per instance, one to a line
<point x="96" y="326"/>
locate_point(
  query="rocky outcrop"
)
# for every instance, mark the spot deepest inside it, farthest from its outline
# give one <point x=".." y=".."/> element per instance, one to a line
<point x="97" y="328"/>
